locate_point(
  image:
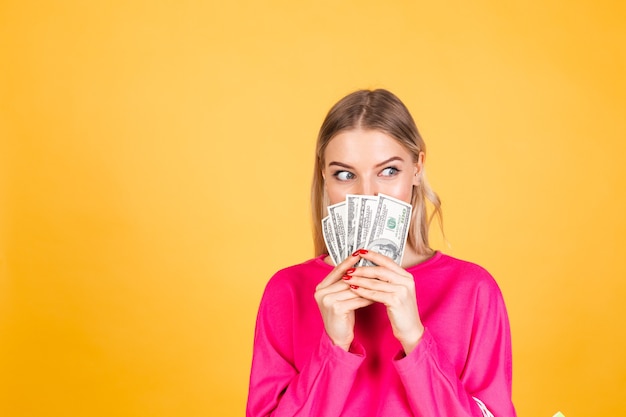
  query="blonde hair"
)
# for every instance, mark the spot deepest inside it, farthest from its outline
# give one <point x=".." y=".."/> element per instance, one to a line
<point x="376" y="110"/>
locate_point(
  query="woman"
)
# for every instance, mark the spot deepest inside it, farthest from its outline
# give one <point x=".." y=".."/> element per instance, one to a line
<point x="429" y="337"/>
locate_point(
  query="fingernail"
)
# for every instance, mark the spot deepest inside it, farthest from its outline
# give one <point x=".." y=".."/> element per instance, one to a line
<point x="350" y="271"/>
<point x="346" y="277"/>
<point x="354" y="287"/>
<point x="362" y="251"/>
<point x="356" y="253"/>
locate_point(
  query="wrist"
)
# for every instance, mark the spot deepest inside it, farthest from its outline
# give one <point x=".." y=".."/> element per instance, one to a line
<point x="345" y="345"/>
<point x="410" y="343"/>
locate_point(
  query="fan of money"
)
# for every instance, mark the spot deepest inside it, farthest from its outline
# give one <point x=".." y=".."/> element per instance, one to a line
<point x="377" y="223"/>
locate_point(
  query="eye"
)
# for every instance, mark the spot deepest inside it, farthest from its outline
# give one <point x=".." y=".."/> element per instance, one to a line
<point x="389" y="172"/>
<point x="343" y="175"/>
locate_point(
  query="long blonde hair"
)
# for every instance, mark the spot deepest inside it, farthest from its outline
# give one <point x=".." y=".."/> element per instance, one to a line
<point x="376" y="110"/>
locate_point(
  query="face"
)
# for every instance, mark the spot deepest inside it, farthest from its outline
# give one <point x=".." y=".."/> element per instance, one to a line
<point x="369" y="162"/>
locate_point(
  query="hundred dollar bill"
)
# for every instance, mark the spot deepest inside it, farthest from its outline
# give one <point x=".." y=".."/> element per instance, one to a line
<point x="364" y="216"/>
<point x="329" y="239"/>
<point x="339" y="221"/>
<point x="390" y="228"/>
<point x="353" y="202"/>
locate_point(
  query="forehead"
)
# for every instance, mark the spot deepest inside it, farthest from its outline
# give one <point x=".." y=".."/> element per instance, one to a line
<point x="358" y="145"/>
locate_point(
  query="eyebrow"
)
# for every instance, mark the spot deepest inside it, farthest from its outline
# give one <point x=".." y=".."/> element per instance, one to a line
<point x="385" y="162"/>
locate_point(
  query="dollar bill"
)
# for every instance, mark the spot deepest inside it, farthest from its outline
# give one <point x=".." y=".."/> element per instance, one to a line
<point x="389" y="228"/>
<point x="339" y="221"/>
<point x="365" y="214"/>
<point x="329" y="239"/>
<point x="353" y="202"/>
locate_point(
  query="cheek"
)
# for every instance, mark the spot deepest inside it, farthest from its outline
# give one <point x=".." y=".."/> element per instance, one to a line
<point x="402" y="190"/>
<point x="335" y="195"/>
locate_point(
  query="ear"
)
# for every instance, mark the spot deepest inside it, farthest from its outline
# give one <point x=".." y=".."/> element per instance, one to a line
<point x="418" y="169"/>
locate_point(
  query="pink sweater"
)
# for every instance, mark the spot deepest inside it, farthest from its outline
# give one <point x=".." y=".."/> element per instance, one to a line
<point x="462" y="363"/>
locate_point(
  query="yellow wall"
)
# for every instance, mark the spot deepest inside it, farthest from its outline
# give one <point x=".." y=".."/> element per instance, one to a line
<point x="156" y="156"/>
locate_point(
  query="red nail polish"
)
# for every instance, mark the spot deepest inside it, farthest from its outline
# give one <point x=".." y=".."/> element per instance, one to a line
<point x="354" y="287"/>
<point x="362" y="251"/>
<point x="350" y="271"/>
<point x="346" y="277"/>
<point x="356" y="253"/>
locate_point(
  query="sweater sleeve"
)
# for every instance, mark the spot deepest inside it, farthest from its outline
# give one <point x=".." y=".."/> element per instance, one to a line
<point x="432" y="384"/>
<point x="277" y="387"/>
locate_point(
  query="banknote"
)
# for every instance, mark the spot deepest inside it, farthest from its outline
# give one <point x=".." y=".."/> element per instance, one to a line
<point x="377" y="223"/>
<point x="390" y="227"/>
<point x="329" y="239"/>
<point x="353" y="202"/>
<point x="339" y="222"/>
<point x="365" y="215"/>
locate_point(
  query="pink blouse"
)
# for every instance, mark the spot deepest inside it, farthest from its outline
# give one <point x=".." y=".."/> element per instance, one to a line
<point x="461" y="367"/>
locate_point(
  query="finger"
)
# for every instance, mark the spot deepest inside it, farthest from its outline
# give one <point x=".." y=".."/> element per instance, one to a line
<point x="380" y="260"/>
<point x="383" y="273"/>
<point x="388" y="298"/>
<point x="337" y="291"/>
<point x="333" y="294"/>
<point x="373" y="284"/>
<point x="342" y="302"/>
<point x="338" y="272"/>
<point x="352" y="304"/>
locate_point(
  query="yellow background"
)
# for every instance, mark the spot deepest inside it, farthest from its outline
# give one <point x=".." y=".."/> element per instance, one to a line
<point x="155" y="164"/>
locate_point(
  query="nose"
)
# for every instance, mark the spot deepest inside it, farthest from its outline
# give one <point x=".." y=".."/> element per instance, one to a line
<point x="367" y="187"/>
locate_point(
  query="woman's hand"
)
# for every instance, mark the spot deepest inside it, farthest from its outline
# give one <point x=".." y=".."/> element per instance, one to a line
<point x="389" y="284"/>
<point x="337" y="303"/>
